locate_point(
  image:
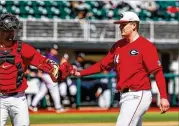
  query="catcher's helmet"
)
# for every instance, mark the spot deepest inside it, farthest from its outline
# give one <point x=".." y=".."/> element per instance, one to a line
<point x="9" y="22"/>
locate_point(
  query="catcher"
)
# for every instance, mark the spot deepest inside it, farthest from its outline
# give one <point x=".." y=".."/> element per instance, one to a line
<point x="15" y="57"/>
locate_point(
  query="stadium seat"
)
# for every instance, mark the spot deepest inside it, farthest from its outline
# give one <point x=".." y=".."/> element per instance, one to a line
<point x="99" y="10"/>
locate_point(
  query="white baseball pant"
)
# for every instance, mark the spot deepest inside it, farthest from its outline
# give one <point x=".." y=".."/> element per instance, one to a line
<point x="53" y="89"/>
<point x="133" y="106"/>
<point x="16" y="107"/>
<point x="104" y="100"/>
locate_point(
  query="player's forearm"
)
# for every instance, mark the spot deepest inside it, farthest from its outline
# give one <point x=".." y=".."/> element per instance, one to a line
<point x="96" y="68"/>
<point x="161" y="83"/>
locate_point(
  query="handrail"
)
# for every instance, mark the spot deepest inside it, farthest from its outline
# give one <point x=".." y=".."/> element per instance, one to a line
<point x="100" y="75"/>
<point x="93" y="31"/>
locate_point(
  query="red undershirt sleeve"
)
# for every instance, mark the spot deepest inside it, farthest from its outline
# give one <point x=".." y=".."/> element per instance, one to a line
<point x="161" y="84"/>
<point x="153" y="65"/>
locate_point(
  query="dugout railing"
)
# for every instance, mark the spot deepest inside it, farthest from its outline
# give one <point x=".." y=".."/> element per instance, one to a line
<point x="94" y="31"/>
<point x="170" y="76"/>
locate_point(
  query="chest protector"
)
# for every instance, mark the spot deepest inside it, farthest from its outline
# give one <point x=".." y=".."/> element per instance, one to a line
<point x="11" y="68"/>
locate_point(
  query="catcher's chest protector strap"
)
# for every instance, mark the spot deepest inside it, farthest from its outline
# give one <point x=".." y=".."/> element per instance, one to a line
<point x="19" y="46"/>
<point x="20" y="73"/>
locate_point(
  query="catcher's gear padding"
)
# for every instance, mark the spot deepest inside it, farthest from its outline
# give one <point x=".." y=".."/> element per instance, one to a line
<point x="11" y="69"/>
<point x="9" y="22"/>
<point x="54" y="72"/>
<point x="65" y="70"/>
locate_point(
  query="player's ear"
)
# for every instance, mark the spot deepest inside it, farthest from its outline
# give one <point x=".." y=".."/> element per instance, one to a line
<point x="135" y="26"/>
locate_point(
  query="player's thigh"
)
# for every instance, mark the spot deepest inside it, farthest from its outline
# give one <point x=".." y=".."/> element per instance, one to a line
<point x="19" y="111"/>
<point x="63" y="89"/>
<point x="142" y="108"/>
<point x="43" y="89"/>
<point x="48" y="81"/>
<point x="133" y="106"/>
<point x="73" y="90"/>
<point x="55" y="92"/>
<point x="3" y="111"/>
<point x="104" y="100"/>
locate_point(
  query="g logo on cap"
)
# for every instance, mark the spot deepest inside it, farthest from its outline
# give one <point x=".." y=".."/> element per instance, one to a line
<point x="121" y="15"/>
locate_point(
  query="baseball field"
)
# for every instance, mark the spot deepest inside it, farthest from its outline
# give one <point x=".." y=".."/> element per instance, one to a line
<point x="99" y="117"/>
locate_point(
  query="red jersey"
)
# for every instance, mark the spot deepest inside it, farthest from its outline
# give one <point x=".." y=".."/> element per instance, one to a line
<point x="133" y="62"/>
<point x="28" y="56"/>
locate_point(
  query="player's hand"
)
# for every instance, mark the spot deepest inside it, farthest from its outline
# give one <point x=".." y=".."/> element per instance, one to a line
<point x="98" y="92"/>
<point x="164" y="105"/>
<point x="39" y="74"/>
<point x="77" y="74"/>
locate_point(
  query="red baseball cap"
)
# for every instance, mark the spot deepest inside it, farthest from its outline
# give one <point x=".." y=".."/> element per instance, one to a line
<point x="127" y="16"/>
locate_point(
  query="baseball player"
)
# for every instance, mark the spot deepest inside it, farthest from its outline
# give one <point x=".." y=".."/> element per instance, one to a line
<point x="68" y="90"/>
<point x="174" y="67"/>
<point x="103" y="94"/>
<point x="48" y="84"/>
<point x="15" y="57"/>
<point x="33" y="82"/>
<point x="134" y="59"/>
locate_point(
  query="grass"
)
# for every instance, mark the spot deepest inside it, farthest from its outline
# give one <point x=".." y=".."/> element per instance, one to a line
<point x="157" y="117"/>
<point x="96" y="118"/>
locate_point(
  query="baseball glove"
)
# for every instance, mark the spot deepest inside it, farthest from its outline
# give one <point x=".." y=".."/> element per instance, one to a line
<point x="65" y="70"/>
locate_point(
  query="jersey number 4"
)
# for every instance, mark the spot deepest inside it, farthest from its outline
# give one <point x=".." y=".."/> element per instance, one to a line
<point x="116" y="58"/>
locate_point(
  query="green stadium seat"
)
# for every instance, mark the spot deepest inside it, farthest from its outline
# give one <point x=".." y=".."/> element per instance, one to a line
<point x="9" y="3"/>
<point x="48" y="3"/>
<point x="59" y="3"/>
<point x="62" y="10"/>
<point x="29" y="3"/>
<point x="116" y="14"/>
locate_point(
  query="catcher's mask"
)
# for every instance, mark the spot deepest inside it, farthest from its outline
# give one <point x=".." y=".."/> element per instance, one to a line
<point x="9" y="23"/>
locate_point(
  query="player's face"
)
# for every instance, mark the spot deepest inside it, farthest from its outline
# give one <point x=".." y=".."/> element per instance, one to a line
<point x="126" y="28"/>
<point x="4" y="38"/>
<point x="80" y="59"/>
<point x="54" y="51"/>
<point x="4" y="35"/>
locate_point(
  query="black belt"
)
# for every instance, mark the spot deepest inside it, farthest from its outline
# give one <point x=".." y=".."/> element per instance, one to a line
<point x="8" y="94"/>
<point x="125" y="90"/>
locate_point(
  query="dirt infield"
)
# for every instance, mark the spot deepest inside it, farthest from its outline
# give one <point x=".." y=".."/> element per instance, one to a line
<point x="111" y="124"/>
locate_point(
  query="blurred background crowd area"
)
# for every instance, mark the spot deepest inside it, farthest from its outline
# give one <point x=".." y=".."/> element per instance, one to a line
<point x="81" y="32"/>
<point x="99" y="10"/>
